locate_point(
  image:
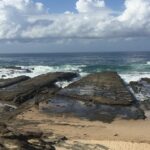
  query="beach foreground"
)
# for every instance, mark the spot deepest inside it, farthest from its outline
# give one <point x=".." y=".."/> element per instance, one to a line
<point x="94" y="112"/>
<point x="85" y="134"/>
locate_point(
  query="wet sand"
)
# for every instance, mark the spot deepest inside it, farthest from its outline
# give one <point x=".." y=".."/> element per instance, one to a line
<point x="118" y="135"/>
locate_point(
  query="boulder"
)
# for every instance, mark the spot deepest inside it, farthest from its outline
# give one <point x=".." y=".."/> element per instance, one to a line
<point x="105" y="88"/>
<point x="8" y="82"/>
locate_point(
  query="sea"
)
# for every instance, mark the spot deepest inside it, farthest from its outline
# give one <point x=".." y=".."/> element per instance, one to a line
<point x="131" y="66"/>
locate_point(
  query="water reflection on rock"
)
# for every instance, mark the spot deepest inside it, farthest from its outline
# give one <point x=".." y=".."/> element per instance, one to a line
<point x="89" y="110"/>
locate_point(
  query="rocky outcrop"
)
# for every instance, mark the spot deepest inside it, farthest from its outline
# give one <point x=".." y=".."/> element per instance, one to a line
<point x="101" y="96"/>
<point x="105" y="88"/>
<point x="13" y="67"/>
<point x="11" y="138"/>
<point x="23" y="91"/>
<point x="141" y="89"/>
<point x="8" y="82"/>
<point x="19" y="69"/>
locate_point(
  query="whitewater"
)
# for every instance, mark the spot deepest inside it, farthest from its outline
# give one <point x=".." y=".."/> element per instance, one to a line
<point x="131" y="66"/>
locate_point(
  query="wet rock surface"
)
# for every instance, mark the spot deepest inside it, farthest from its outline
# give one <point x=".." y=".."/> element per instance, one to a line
<point x="141" y="89"/>
<point x="100" y="96"/>
<point x="91" y="111"/>
<point x="23" y="91"/>
<point x="105" y="88"/>
<point x="8" y="82"/>
<point x="145" y="105"/>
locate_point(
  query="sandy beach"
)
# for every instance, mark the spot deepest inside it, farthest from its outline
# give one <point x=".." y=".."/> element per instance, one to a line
<point x="118" y="135"/>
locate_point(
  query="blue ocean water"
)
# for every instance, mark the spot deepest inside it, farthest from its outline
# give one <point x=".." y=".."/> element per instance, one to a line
<point x="130" y="65"/>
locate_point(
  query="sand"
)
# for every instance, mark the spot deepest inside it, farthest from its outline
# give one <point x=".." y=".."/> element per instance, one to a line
<point x="118" y="135"/>
<point x="110" y="145"/>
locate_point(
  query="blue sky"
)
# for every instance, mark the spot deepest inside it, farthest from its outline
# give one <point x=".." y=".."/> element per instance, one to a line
<point x="74" y="25"/>
<point x="59" y="6"/>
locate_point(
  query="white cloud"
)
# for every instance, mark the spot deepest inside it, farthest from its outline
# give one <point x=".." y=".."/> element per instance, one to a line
<point x="136" y="10"/>
<point x="136" y="18"/>
<point x="14" y="17"/>
<point x="85" y="6"/>
<point x="25" y="20"/>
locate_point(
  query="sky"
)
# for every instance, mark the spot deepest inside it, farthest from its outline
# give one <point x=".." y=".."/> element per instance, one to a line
<point x="70" y="5"/>
<point x="33" y="26"/>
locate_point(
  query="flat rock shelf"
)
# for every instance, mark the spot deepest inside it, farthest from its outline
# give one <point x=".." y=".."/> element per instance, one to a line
<point x="105" y="88"/>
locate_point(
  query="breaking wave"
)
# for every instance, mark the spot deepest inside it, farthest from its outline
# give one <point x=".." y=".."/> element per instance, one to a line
<point x="33" y="71"/>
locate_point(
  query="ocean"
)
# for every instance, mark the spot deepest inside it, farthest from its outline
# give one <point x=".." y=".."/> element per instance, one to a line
<point x="131" y="66"/>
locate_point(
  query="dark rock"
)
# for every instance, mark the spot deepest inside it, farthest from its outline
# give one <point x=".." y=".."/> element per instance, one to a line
<point x="8" y="82"/>
<point x="3" y="129"/>
<point x="105" y="88"/>
<point x="13" y="67"/>
<point x="29" y="88"/>
<point x="91" y="111"/>
<point x="19" y="69"/>
<point x="145" y="105"/>
<point x="136" y="86"/>
<point x="7" y="108"/>
<point x="31" y="140"/>
<point x="14" y="134"/>
<point x="32" y="134"/>
<point x="3" y="76"/>
<point x="28" y="71"/>
<point x="101" y="96"/>
<point x="146" y="79"/>
<point x="141" y="89"/>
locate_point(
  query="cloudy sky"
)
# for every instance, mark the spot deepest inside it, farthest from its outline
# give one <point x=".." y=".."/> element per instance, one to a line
<point x="74" y="25"/>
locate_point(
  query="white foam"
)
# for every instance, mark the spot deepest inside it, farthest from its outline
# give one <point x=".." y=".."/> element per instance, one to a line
<point x="135" y="76"/>
<point x="144" y="93"/>
<point x="148" y="63"/>
<point x="64" y="84"/>
<point x="38" y="70"/>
